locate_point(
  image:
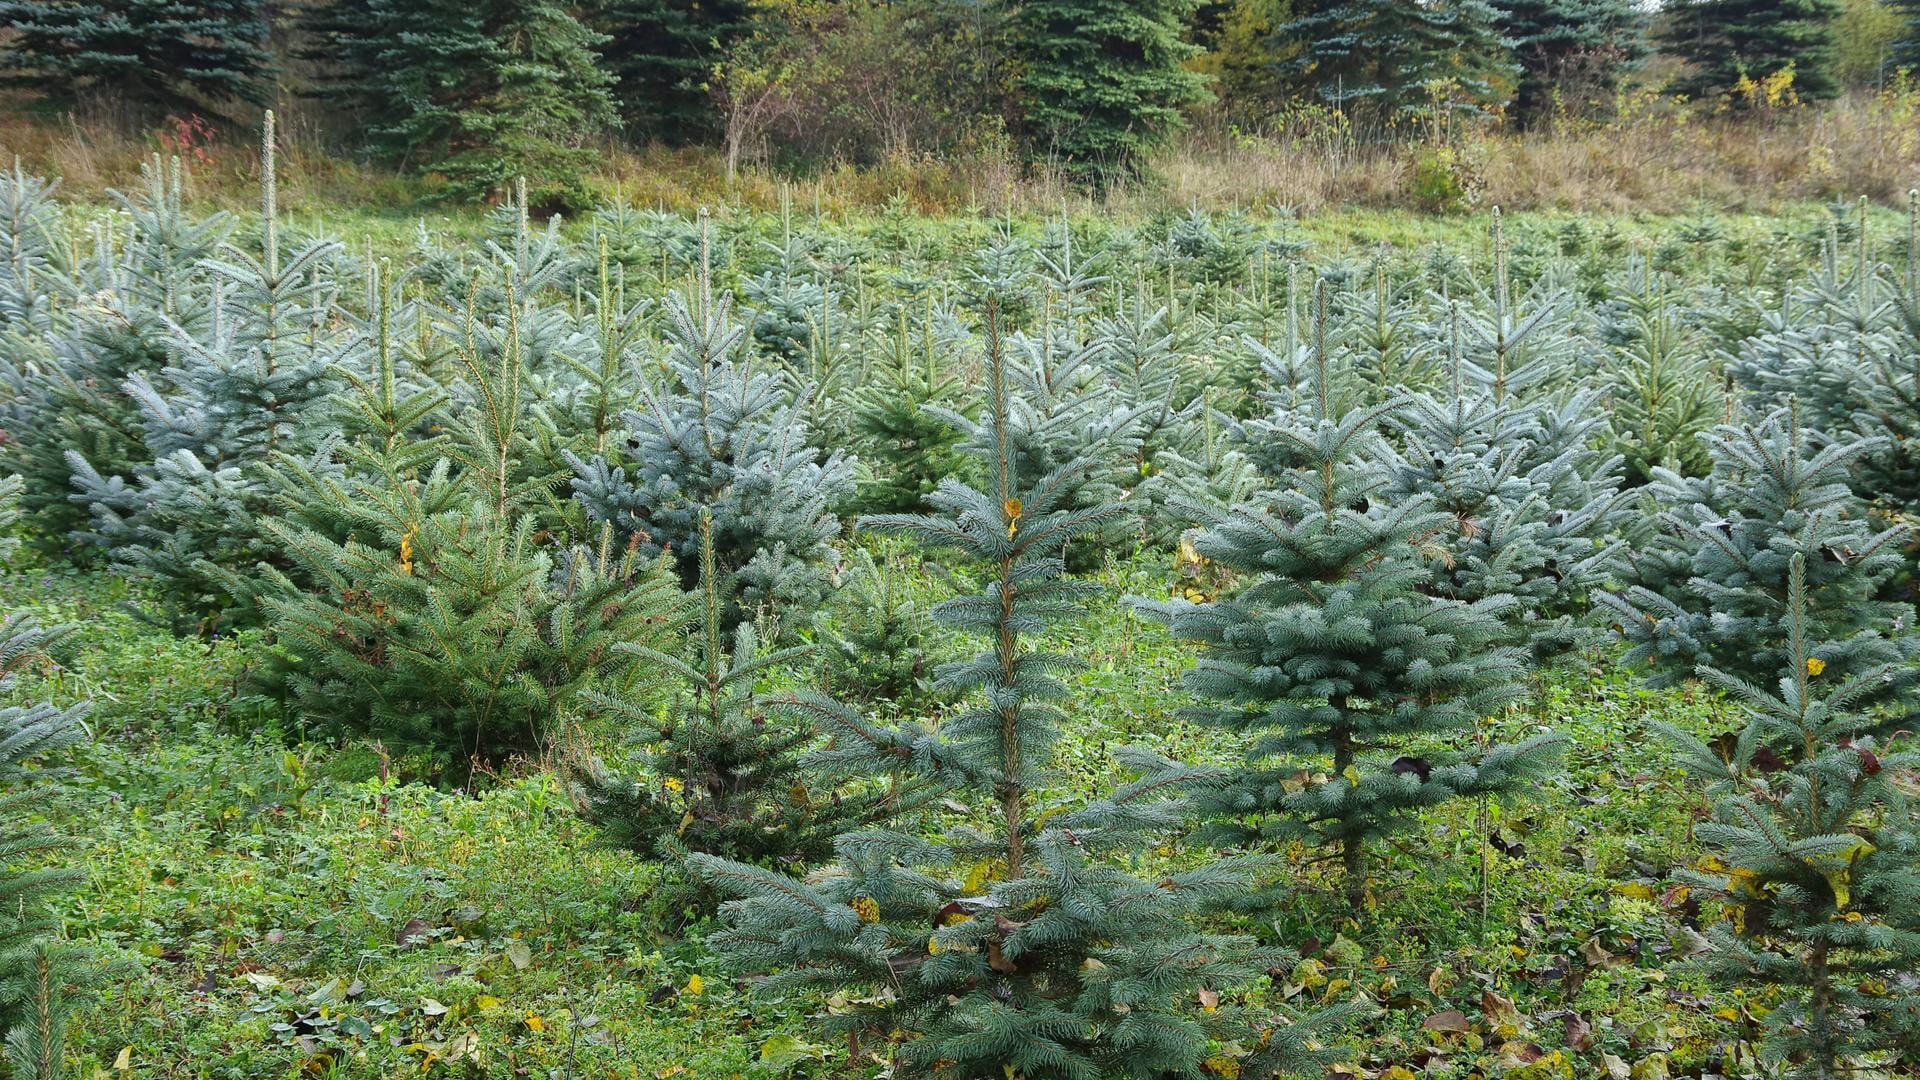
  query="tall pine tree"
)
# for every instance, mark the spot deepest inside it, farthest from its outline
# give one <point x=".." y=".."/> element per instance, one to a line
<point x="482" y="92"/>
<point x="1572" y="53"/>
<point x="1725" y="41"/>
<point x="1391" y="61"/>
<point x="660" y="54"/>
<point x="146" y="56"/>
<point x="1102" y="81"/>
<point x="1906" y="51"/>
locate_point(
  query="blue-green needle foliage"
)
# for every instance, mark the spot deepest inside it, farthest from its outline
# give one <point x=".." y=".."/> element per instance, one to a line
<point x="1018" y="946"/>
<point x="34" y="968"/>
<point x="1713" y="587"/>
<point x="1335" y="658"/>
<point x="1816" y="858"/>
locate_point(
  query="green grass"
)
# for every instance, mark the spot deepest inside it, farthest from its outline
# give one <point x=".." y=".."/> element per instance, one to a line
<point x="275" y="908"/>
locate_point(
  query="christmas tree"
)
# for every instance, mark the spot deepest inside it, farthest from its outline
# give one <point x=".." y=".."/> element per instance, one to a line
<point x="736" y="772"/>
<point x="1335" y="655"/>
<point x="719" y="435"/>
<point x="1815" y="855"/>
<point x="247" y="384"/>
<point x="1020" y="946"/>
<point x="35" y="969"/>
<point x="1713" y="585"/>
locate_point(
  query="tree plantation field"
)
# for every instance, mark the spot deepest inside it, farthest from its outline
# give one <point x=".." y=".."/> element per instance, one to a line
<point x="1061" y="648"/>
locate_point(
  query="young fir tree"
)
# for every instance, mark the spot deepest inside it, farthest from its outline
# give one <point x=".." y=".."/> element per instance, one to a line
<point x="1713" y="586"/>
<point x="148" y="57"/>
<point x="1102" y="82"/>
<point x="1533" y="505"/>
<point x="245" y="385"/>
<point x="482" y="93"/>
<point x="1815" y="854"/>
<point x="67" y="361"/>
<point x="904" y="447"/>
<point x="1662" y="388"/>
<point x="1335" y="655"/>
<point x="1019" y="947"/>
<point x="424" y="603"/>
<point x="1385" y="59"/>
<point x="1844" y="346"/>
<point x="733" y="771"/>
<point x="35" y="970"/>
<point x="719" y="435"/>
<point x="1726" y="41"/>
<point x="1573" y="54"/>
<point x="875" y="634"/>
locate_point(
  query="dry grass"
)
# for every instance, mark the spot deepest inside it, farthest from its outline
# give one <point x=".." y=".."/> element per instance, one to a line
<point x="1659" y="156"/>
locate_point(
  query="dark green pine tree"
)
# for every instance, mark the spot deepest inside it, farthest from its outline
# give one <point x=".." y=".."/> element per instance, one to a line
<point x="1814" y="853"/>
<point x="1102" y="81"/>
<point x="1018" y="946"/>
<point x="1711" y="588"/>
<point x="149" y="56"/>
<point x="1393" y="61"/>
<point x="422" y="602"/>
<point x="733" y="771"/>
<point x="1724" y="41"/>
<point x="1334" y="659"/>
<point x="482" y="93"/>
<point x="1572" y="53"/>
<point x="1906" y="51"/>
<point x="660" y="53"/>
<point x="905" y="448"/>
<point x="35" y="970"/>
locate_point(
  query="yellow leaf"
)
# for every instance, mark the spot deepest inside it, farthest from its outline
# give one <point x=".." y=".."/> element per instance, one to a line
<point x="1815" y="665"/>
<point x="1352" y="774"/>
<point x="1837" y="868"/>
<point x="125" y="1061"/>
<point x="486" y="1002"/>
<point x="866" y="907"/>
<point x="535" y="1023"/>
<point x="1012" y="508"/>
<point x="695" y="986"/>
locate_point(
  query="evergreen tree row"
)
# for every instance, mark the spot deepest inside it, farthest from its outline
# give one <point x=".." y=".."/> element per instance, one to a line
<point x="479" y="94"/>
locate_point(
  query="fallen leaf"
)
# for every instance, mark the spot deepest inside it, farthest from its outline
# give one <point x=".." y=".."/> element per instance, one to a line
<point x="1579" y="1032"/>
<point x="519" y="955"/>
<point x="1452" y="1020"/>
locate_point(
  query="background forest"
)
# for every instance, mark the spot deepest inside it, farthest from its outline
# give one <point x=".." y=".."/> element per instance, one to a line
<point x="958" y="103"/>
<point x="1038" y="541"/>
